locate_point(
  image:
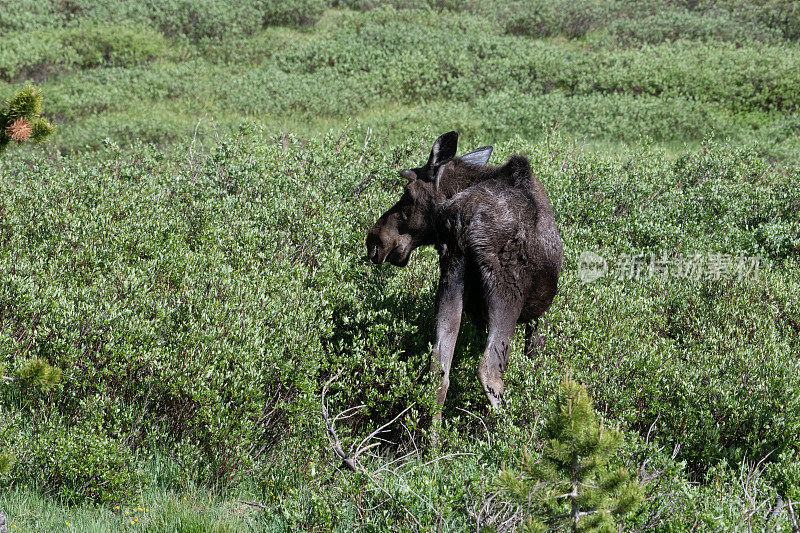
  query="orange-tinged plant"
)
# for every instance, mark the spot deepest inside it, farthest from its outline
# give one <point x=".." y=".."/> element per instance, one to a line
<point x="21" y="118"/>
<point x="19" y="130"/>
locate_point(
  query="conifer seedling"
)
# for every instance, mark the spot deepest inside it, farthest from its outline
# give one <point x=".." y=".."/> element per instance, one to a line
<point x="21" y="118"/>
<point x="34" y="373"/>
<point x="573" y="486"/>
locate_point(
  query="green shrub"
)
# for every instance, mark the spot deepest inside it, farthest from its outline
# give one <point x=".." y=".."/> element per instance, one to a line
<point x="784" y="474"/>
<point x="204" y="19"/>
<point x="783" y="15"/>
<point x="29" y="15"/>
<point x="80" y="463"/>
<point x="470" y="62"/>
<point x="657" y="21"/>
<point x="377" y="66"/>
<point x="199" y="259"/>
<point x="197" y="20"/>
<point x="41" y="53"/>
<point x="624" y="23"/>
<point x="536" y="18"/>
<point x="291" y="13"/>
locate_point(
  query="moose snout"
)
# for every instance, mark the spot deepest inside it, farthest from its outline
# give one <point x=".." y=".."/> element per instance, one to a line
<point x="374" y="246"/>
<point x="381" y="248"/>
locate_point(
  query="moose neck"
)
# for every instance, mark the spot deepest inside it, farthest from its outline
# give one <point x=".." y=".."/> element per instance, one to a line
<point x="463" y="176"/>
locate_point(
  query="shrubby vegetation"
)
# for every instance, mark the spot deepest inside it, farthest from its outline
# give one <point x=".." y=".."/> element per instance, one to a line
<point x="40" y="53"/>
<point x="198" y="276"/>
<point x="608" y="71"/>
<point x="246" y="262"/>
<point x="195" y="19"/>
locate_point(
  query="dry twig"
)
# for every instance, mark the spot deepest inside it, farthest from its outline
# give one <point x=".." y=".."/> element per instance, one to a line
<point x="350" y="458"/>
<point x="366" y="143"/>
<point x="253" y="504"/>
<point x="795" y="527"/>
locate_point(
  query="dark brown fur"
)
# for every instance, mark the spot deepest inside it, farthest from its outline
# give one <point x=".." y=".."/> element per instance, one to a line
<point x="500" y="253"/>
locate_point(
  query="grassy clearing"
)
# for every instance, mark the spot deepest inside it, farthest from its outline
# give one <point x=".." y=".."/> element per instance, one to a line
<point x="155" y="508"/>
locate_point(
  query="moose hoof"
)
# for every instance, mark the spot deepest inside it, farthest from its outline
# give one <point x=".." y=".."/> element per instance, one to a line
<point x="496" y="399"/>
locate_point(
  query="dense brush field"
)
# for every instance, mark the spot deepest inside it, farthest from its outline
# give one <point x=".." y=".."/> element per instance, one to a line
<point x="613" y="70"/>
<point x="189" y="251"/>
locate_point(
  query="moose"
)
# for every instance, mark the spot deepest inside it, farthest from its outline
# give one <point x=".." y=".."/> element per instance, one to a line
<point x="500" y="252"/>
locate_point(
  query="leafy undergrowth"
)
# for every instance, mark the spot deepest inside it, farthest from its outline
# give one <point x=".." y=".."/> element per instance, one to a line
<point x="156" y="507"/>
<point x="198" y="299"/>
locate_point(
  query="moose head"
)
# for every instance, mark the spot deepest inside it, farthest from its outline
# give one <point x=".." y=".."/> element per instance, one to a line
<point x="408" y="224"/>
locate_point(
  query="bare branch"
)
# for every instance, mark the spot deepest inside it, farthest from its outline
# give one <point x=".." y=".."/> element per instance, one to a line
<point x="366" y="143"/>
<point x="342" y="415"/>
<point x="650" y="431"/>
<point x="253" y="504"/>
<point x="383" y="427"/>
<point x="397" y="460"/>
<point x="411" y="438"/>
<point x="333" y="438"/>
<point x="350" y="458"/>
<point x="443" y="457"/>
<point x="795" y="527"/>
<point x="676" y="450"/>
<point x="191" y="156"/>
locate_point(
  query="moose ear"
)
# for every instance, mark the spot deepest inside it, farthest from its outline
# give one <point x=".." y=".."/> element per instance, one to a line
<point x="479" y="156"/>
<point x="444" y="149"/>
<point x="438" y="194"/>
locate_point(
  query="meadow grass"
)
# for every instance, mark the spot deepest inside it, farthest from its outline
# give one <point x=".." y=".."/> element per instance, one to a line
<point x="154" y="508"/>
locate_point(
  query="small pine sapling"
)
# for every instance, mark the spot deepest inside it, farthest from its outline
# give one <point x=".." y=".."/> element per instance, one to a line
<point x="21" y="118"/>
<point x="573" y="484"/>
<point x="37" y="373"/>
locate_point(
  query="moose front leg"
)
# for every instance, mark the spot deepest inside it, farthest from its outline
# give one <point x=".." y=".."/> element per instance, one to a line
<point x="449" y="304"/>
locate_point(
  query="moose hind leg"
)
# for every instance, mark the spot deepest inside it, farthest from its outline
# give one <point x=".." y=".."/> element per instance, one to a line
<point x="533" y="340"/>
<point x="495" y="358"/>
